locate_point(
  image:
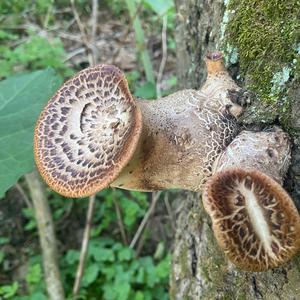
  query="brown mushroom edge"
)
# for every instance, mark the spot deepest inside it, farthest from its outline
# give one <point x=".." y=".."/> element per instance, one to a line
<point x="254" y="220"/>
<point x="87" y="132"/>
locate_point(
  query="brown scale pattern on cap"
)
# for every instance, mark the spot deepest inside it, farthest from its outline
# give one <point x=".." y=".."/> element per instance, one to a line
<point x="254" y="219"/>
<point x="87" y="132"/>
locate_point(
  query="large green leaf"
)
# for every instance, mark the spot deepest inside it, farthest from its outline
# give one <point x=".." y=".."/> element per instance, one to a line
<point x="21" y="100"/>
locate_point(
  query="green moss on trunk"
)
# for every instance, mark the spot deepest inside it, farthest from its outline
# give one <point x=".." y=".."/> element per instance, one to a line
<point x="266" y="34"/>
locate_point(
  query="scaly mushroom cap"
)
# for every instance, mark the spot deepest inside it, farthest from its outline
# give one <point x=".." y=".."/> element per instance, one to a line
<point x="254" y="220"/>
<point x="87" y="132"/>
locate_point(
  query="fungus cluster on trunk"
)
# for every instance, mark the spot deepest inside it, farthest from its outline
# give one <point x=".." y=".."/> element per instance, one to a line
<point x="93" y="134"/>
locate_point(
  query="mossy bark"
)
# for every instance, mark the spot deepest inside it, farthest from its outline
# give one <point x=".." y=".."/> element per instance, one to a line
<point x="199" y="269"/>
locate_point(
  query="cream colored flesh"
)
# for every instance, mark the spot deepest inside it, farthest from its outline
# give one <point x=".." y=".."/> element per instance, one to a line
<point x="257" y="218"/>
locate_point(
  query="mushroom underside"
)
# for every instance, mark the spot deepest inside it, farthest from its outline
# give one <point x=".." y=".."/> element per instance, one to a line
<point x="254" y="220"/>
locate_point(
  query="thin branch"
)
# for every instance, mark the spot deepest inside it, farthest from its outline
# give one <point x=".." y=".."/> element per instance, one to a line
<point x="24" y="196"/>
<point x="155" y="197"/>
<point x="169" y="210"/>
<point x="141" y="243"/>
<point x="84" y="246"/>
<point x="79" y="23"/>
<point x="164" y="56"/>
<point x="120" y="221"/>
<point x="75" y="52"/>
<point x="81" y="27"/>
<point x="46" y="236"/>
<point x="94" y="31"/>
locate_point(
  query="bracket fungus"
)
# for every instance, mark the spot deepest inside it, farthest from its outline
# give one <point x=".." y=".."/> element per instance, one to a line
<point x="93" y="134"/>
<point x="87" y="132"/>
<point x="254" y="220"/>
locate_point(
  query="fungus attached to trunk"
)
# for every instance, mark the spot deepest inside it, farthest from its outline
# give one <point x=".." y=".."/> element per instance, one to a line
<point x="87" y="132"/>
<point x="254" y="220"/>
<point x="93" y="134"/>
<point x="89" y="135"/>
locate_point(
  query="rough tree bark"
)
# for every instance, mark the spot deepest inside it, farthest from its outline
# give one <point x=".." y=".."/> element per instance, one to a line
<point x="200" y="269"/>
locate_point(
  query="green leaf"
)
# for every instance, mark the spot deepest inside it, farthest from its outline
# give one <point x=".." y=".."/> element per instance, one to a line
<point x="160" y="6"/>
<point x="72" y="257"/>
<point x="139" y="296"/>
<point x="109" y="292"/>
<point x="34" y="274"/>
<point x="4" y="240"/>
<point x="123" y="290"/>
<point x="38" y="296"/>
<point x="22" y="98"/>
<point x="131" y="211"/>
<point x="102" y="254"/>
<point x="90" y="275"/>
<point x="162" y="270"/>
<point x="125" y="254"/>
<point x="146" y="91"/>
<point x="8" y="291"/>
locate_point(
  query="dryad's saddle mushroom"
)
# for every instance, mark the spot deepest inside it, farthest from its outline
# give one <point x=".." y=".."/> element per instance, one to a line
<point x="94" y="134"/>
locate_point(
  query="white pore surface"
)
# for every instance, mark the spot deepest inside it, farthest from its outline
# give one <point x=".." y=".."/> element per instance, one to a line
<point x="257" y="218"/>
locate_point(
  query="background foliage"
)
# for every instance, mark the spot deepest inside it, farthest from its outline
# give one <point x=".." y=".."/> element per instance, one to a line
<point x="33" y="63"/>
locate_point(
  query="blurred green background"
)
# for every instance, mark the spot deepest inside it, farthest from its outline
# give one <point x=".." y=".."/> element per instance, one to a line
<point x="41" y="45"/>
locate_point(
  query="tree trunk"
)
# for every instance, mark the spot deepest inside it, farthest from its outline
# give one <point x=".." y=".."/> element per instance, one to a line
<point x="199" y="269"/>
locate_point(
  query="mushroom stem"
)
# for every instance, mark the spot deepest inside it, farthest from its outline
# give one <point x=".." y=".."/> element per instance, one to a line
<point x="183" y="134"/>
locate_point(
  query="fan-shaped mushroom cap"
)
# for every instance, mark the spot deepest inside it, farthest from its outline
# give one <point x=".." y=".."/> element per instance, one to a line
<point x="254" y="219"/>
<point x="87" y="132"/>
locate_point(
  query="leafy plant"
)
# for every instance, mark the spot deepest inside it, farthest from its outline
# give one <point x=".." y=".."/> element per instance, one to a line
<point x="9" y="291"/>
<point x="36" y="53"/>
<point x="113" y="269"/>
<point x="21" y="100"/>
<point x="114" y="272"/>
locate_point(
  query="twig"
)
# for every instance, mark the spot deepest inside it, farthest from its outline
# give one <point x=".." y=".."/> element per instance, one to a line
<point x="94" y="31"/>
<point x="120" y="221"/>
<point x="75" y="52"/>
<point x="94" y="22"/>
<point x="169" y="210"/>
<point x="141" y="242"/>
<point x="92" y="61"/>
<point x="82" y="31"/>
<point x="24" y="196"/>
<point x="84" y="246"/>
<point x="79" y="23"/>
<point x="164" y="56"/>
<point x="69" y="36"/>
<point x="46" y="236"/>
<point x="155" y="197"/>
